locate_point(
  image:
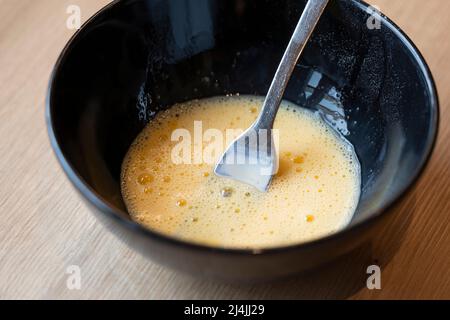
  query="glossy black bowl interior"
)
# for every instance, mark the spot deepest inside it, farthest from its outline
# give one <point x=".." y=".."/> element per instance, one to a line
<point x="135" y="58"/>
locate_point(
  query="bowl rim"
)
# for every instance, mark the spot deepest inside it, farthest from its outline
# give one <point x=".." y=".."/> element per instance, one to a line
<point x="97" y="200"/>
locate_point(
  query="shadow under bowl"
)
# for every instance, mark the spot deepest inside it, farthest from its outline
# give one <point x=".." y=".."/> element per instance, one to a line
<point x="137" y="57"/>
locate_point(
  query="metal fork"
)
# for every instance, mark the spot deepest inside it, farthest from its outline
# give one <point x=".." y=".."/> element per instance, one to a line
<point x="252" y="157"/>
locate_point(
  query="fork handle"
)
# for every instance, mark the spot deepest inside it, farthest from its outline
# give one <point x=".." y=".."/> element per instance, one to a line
<point x="302" y="33"/>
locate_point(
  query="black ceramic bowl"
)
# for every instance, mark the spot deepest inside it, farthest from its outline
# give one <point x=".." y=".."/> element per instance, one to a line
<point x="136" y="57"/>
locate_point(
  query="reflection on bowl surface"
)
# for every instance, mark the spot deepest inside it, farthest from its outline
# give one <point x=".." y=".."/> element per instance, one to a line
<point x="137" y="57"/>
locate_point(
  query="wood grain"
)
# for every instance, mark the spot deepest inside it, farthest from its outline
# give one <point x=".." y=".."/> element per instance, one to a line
<point x="45" y="227"/>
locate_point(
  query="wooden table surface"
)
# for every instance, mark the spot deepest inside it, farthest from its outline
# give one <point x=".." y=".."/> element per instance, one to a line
<point x="45" y="227"/>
